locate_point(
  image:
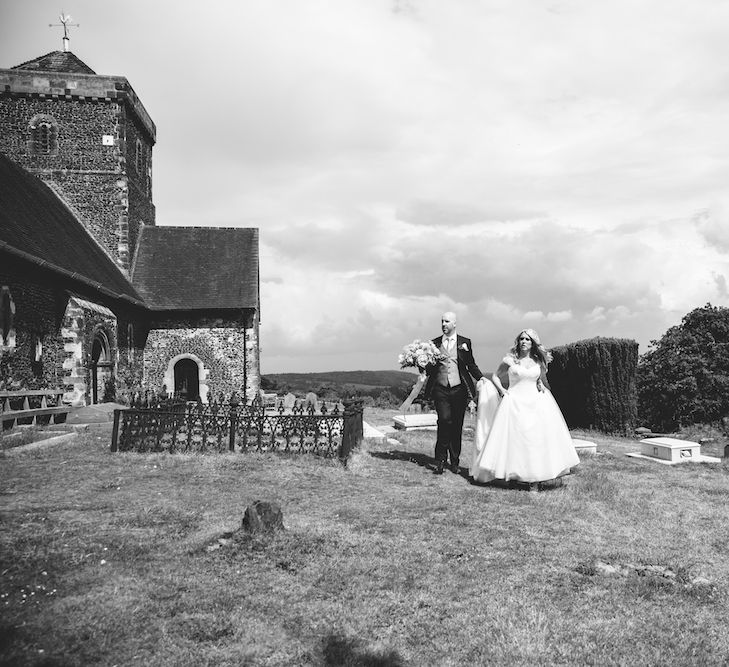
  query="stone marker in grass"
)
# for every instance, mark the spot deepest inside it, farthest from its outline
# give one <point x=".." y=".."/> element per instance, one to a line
<point x="262" y="516"/>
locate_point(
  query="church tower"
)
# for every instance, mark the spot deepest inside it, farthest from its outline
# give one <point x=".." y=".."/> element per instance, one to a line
<point x="89" y="137"/>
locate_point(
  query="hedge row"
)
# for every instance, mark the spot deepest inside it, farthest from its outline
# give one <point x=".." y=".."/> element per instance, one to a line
<point x="594" y="383"/>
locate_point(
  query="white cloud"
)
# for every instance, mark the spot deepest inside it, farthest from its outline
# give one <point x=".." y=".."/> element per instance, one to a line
<point x="558" y="163"/>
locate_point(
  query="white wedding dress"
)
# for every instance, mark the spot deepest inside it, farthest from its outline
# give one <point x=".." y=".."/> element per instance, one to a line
<point x="522" y="436"/>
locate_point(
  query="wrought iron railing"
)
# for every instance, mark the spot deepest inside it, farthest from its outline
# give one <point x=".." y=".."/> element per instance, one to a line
<point x="174" y="426"/>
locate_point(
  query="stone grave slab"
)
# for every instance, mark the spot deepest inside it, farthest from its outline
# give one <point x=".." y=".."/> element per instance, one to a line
<point x="370" y="432"/>
<point x="584" y="446"/>
<point x="671" y="451"/>
<point x="416" y="422"/>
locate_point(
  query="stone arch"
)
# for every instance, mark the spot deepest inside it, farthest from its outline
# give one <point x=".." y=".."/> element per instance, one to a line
<point x="203" y="372"/>
<point x="102" y="364"/>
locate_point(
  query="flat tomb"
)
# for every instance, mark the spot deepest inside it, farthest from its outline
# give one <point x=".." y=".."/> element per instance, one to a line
<point x="584" y="446"/>
<point x="670" y="449"/>
<point x="424" y="422"/>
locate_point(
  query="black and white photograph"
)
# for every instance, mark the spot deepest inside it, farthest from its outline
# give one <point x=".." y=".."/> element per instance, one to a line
<point x="364" y="333"/>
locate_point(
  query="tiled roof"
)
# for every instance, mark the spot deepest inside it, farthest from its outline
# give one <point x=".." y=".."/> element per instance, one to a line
<point x="37" y="226"/>
<point x="191" y="268"/>
<point x="57" y="61"/>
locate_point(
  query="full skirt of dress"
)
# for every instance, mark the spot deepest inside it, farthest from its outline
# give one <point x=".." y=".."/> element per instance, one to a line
<point x="522" y="436"/>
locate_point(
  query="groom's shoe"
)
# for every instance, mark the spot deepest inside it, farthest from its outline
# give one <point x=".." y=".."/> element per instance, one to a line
<point x="439" y="468"/>
<point x="454" y="468"/>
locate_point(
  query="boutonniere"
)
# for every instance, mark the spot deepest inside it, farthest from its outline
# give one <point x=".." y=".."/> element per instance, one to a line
<point x="464" y="347"/>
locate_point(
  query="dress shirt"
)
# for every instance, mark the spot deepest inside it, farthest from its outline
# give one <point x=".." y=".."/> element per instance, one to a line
<point x="449" y="343"/>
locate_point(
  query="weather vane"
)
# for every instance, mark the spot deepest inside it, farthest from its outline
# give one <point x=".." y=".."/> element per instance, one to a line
<point x="66" y="23"/>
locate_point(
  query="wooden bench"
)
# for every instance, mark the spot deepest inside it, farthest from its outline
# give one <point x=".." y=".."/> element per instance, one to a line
<point x="10" y="416"/>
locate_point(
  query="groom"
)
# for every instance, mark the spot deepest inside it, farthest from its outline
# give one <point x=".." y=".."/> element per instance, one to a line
<point x="449" y="386"/>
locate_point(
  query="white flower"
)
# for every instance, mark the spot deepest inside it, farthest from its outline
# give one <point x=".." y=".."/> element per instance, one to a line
<point x="419" y="354"/>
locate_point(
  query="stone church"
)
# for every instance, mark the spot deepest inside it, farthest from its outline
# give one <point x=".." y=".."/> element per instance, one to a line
<point x="94" y="297"/>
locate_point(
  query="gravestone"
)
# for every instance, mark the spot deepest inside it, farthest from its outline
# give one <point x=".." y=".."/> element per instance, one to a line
<point x="311" y="399"/>
<point x="262" y="516"/>
<point x="289" y="401"/>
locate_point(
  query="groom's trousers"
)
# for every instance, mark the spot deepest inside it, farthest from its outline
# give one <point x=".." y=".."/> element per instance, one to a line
<point x="450" y="404"/>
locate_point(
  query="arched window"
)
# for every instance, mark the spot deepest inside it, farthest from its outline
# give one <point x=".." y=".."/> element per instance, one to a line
<point x="43" y="130"/>
<point x="7" y="319"/>
<point x="102" y="367"/>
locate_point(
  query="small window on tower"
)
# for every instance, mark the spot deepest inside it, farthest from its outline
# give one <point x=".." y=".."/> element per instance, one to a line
<point x="139" y="158"/>
<point x="43" y="131"/>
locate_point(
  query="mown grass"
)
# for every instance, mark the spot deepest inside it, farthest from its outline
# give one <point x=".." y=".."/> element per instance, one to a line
<point x="106" y="561"/>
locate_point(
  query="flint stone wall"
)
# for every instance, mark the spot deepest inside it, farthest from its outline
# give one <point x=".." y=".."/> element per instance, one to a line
<point x="38" y="310"/>
<point x="100" y="182"/>
<point x="224" y="350"/>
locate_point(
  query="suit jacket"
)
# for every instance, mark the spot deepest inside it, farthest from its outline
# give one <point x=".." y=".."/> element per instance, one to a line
<point x="467" y="368"/>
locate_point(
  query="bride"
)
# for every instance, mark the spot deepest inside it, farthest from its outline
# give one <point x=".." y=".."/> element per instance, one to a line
<point x="520" y="432"/>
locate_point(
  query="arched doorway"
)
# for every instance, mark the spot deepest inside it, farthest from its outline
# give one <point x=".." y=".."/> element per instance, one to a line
<point x="101" y="366"/>
<point x="187" y="379"/>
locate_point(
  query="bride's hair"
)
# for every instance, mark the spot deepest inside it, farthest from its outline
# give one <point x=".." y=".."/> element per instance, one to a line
<point x="538" y="352"/>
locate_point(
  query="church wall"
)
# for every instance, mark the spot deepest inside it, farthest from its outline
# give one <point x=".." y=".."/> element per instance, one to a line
<point x="38" y="312"/>
<point x="81" y="126"/>
<point x="141" y="210"/>
<point x="88" y="174"/>
<point x="101" y="202"/>
<point x="100" y="182"/>
<point x="130" y="367"/>
<point x="44" y="311"/>
<point x="224" y="347"/>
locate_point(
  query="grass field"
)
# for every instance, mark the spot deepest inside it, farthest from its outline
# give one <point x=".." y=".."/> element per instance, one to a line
<point x="116" y="559"/>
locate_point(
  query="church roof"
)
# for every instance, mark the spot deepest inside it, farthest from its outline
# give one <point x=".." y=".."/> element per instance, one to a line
<point x="57" y="61"/>
<point x="196" y="268"/>
<point x="36" y="226"/>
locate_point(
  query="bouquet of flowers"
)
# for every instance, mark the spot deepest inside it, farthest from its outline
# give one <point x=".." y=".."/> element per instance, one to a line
<point x="419" y="354"/>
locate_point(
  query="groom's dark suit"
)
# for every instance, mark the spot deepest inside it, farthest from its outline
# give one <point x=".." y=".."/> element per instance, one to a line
<point x="449" y="386"/>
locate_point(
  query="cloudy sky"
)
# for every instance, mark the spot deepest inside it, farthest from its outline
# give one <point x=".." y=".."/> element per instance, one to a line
<point x="556" y="164"/>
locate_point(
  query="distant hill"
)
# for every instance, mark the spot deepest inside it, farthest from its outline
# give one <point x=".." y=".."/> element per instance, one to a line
<point x="367" y="381"/>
